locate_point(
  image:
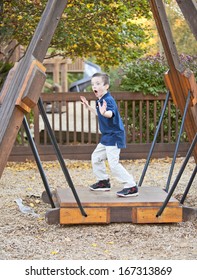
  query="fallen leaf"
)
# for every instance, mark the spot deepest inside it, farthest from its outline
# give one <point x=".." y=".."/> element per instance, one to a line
<point x="54" y="252"/>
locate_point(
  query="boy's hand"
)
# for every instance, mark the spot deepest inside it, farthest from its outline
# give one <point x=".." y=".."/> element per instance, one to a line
<point x="103" y="108"/>
<point x="84" y="101"/>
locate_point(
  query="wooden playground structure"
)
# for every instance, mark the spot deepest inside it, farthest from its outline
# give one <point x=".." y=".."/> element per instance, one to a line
<point x="21" y="93"/>
<point x="59" y="69"/>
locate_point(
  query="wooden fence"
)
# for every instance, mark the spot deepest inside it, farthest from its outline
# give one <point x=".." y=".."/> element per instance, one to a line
<point x="77" y="131"/>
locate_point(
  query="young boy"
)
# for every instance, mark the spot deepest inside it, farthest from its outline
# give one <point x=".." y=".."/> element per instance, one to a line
<point x="112" y="139"/>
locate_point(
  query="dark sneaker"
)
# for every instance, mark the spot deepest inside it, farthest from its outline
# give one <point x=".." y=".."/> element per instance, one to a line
<point x="103" y="185"/>
<point x="133" y="191"/>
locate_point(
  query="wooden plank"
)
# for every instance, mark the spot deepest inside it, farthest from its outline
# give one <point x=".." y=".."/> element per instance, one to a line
<point x="46" y="28"/>
<point x="148" y="196"/>
<point x="192" y="85"/>
<point x="168" y="84"/>
<point x="106" y="207"/>
<point x="37" y="49"/>
<point x="189" y="10"/>
<point x="52" y="216"/>
<point x="74" y="216"/>
<point x="189" y="213"/>
<point x="175" y="81"/>
<point x="119" y="96"/>
<point x="163" y="26"/>
<point x="121" y="214"/>
<point x="7" y="83"/>
<point x="45" y="198"/>
<point x="9" y="137"/>
<point x="34" y="85"/>
<point x="23" y="107"/>
<point x="142" y="215"/>
<point x="27" y="77"/>
<point x="83" y="151"/>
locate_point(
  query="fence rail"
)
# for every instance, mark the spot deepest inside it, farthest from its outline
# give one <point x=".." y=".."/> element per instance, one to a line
<point x="77" y="130"/>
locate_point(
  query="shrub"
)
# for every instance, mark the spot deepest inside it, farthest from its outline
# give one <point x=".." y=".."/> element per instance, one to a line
<point x="146" y="75"/>
<point x="4" y="69"/>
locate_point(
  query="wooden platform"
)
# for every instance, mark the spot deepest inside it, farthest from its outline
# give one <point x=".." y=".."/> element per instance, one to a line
<point x="106" y="207"/>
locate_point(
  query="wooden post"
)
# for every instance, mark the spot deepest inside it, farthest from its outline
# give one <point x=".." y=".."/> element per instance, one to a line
<point x="178" y="80"/>
<point x="189" y="10"/>
<point x="24" y="84"/>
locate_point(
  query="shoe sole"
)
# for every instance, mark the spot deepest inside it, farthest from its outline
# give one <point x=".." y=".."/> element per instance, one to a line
<point x="102" y="190"/>
<point x="128" y="195"/>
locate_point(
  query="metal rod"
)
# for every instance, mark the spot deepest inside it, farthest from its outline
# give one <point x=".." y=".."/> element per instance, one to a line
<point x="59" y="155"/>
<point x="154" y="140"/>
<point x="38" y="161"/>
<point x="178" y="176"/>
<point x="189" y="185"/>
<point x="177" y="143"/>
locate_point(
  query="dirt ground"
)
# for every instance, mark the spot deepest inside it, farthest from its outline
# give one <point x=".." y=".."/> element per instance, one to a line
<point x="24" y="236"/>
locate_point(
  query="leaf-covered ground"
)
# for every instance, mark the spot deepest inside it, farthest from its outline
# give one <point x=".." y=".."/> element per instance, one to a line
<point x="24" y="236"/>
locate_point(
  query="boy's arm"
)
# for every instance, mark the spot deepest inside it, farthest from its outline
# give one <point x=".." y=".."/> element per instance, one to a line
<point x="103" y="110"/>
<point x="86" y="104"/>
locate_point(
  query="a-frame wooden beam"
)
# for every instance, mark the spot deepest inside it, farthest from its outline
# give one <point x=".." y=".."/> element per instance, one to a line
<point x="189" y="10"/>
<point x="24" y="83"/>
<point x="178" y="79"/>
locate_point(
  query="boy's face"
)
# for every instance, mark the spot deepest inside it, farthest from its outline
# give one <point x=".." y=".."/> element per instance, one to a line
<point x="98" y="87"/>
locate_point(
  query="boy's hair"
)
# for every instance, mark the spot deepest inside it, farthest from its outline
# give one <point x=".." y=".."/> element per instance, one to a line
<point x="105" y="77"/>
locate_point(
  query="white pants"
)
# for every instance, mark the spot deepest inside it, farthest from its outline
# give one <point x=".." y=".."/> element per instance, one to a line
<point x="112" y="154"/>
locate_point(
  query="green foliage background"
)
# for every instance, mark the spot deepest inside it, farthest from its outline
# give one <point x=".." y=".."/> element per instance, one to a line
<point x="146" y="76"/>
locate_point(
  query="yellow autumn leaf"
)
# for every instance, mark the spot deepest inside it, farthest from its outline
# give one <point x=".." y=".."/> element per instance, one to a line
<point x="54" y="252"/>
<point x="114" y="5"/>
<point x="100" y="31"/>
<point x="90" y="5"/>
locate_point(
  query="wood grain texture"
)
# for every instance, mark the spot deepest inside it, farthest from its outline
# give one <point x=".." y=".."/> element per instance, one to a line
<point x="106" y="207"/>
<point x="141" y="215"/>
<point x="74" y="216"/>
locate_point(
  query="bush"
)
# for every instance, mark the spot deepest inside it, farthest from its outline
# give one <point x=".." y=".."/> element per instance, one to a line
<point x="4" y="70"/>
<point x="146" y="75"/>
